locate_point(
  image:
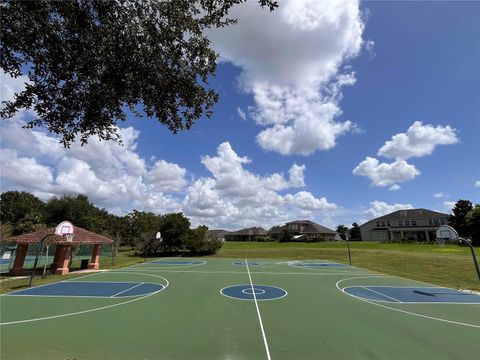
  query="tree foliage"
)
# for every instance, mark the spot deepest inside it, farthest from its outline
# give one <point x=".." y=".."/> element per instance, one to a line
<point x="88" y="60"/>
<point x="342" y="231"/>
<point x="78" y="210"/>
<point x="24" y="211"/>
<point x="472" y="221"/>
<point x="458" y="219"/>
<point x="355" y="234"/>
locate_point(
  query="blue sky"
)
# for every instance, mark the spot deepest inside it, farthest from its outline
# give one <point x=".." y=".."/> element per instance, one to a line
<point x="350" y="111"/>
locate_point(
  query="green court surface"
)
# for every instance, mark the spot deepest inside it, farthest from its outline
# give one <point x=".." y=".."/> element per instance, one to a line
<point x="185" y="309"/>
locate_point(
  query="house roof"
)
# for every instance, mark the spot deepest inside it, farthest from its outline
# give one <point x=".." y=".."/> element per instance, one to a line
<point x="311" y="228"/>
<point x="81" y="236"/>
<point x="254" y="231"/>
<point x="411" y="213"/>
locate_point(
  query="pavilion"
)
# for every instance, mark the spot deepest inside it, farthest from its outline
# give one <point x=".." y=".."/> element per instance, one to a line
<point x="61" y="259"/>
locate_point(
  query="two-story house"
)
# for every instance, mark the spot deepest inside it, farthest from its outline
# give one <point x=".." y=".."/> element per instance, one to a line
<point x="413" y="225"/>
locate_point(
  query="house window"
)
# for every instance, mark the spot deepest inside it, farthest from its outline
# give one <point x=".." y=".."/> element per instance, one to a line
<point x="400" y="223"/>
<point x="414" y="222"/>
<point x="436" y="222"/>
<point x="407" y="222"/>
<point x="388" y="224"/>
<point x="430" y="222"/>
<point x="443" y="221"/>
<point x="383" y="223"/>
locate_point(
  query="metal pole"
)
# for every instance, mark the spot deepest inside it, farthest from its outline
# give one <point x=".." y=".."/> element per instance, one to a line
<point x="349" y="256"/>
<point x="46" y="261"/>
<point x="473" y="255"/>
<point x="36" y="258"/>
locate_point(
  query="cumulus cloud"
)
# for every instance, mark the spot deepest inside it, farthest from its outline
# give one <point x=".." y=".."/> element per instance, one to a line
<point x="419" y="140"/>
<point x="9" y="86"/>
<point x="292" y="62"/>
<point x="236" y="197"/>
<point x="113" y="176"/>
<point x="380" y="208"/>
<point x="439" y="195"/>
<point x="116" y="178"/>
<point x="394" y="187"/>
<point x="477" y="184"/>
<point x="25" y="171"/>
<point x="386" y="174"/>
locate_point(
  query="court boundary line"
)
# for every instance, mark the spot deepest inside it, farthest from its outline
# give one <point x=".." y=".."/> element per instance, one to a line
<point x="258" y="313"/>
<point x="400" y="310"/>
<point x="94" y="309"/>
<point x="257" y="272"/>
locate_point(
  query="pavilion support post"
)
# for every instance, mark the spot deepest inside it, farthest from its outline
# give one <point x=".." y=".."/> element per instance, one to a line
<point x="62" y="257"/>
<point x="95" y="260"/>
<point x="20" y="255"/>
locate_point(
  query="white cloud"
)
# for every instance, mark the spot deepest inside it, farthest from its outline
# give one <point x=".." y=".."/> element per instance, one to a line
<point x="292" y="63"/>
<point x="235" y="197"/>
<point x="440" y="195"/>
<point x="380" y="208"/>
<point x="306" y="201"/>
<point x="384" y="174"/>
<point x="24" y="171"/>
<point x="419" y="140"/>
<point x="448" y="206"/>
<point x="477" y="184"/>
<point x="9" y="86"/>
<point x="111" y="175"/>
<point x="394" y="187"/>
<point x="241" y="113"/>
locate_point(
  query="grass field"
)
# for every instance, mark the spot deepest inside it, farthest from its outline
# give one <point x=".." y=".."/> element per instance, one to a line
<point x="194" y="314"/>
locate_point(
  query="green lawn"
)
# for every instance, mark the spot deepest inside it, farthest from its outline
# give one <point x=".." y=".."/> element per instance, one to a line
<point x="448" y="265"/>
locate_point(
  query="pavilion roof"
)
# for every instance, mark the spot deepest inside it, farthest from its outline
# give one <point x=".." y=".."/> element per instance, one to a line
<point x="81" y="236"/>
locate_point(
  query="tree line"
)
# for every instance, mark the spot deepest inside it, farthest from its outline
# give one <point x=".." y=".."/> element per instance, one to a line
<point x="22" y="212"/>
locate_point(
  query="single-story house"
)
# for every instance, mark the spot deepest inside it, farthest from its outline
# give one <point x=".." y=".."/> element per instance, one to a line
<point x="250" y="234"/>
<point x="303" y="229"/>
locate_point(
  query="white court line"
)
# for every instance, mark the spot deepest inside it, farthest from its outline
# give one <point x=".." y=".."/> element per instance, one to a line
<point x="254" y="272"/>
<point x="258" y="313"/>
<point x="381" y="294"/>
<point x="130" y="288"/>
<point x="399" y="310"/>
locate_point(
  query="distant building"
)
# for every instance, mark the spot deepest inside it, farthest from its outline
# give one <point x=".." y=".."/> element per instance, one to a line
<point x="303" y="229"/>
<point x="250" y="234"/>
<point x="404" y="225"/>
<point x="218" y="234"/>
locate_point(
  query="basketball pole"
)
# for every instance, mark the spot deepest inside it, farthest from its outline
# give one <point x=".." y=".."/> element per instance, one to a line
<point x="469" y="244"/>
<point x="40" y="248"/>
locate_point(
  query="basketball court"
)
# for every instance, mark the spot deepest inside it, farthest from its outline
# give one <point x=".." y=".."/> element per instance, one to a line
<point x="179" y="308"/>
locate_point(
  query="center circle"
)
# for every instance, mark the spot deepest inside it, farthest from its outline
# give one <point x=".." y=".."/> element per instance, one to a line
<point x="255" y="291"/>
<point x="258" y="293"/>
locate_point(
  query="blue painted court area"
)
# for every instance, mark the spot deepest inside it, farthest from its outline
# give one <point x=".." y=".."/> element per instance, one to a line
<point x="91" y="289"/>
<point x="247" y="291"/>
<point x="395" y="294"/>
<point x="249" y="263"/>
<point x="178" y="262"/>
<point x="317" y="265"/>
